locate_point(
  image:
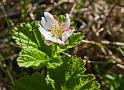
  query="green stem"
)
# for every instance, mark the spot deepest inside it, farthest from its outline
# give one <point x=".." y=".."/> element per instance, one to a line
<point x="55" y="48"/>
<point x="10" y="76"/>
<point x="55" y="51"/>
<point x="6" y="70"/>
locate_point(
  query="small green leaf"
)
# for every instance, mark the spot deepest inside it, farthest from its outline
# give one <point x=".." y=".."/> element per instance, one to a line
<point x="74" y="40"/>
<point x="61" y="18"/>
<point x="32" y="58"/>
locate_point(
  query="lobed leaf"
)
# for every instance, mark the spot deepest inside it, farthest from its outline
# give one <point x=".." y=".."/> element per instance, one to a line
<point x="27" y="35"/>
<point x="70" y="75"/>
<point x="32" y="58"/>
<point x="35" y="58"/>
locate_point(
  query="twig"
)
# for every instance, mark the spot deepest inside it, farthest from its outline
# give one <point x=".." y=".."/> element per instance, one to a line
<point x="87" y="59"/>
<point x="95" y="62"/>
<point x="104" y="42"/>
<point x="117" y="63"/>
<point x="113" y="43"/>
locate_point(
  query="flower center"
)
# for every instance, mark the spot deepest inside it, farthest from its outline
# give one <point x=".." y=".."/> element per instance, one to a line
<point x="57" y="30"/>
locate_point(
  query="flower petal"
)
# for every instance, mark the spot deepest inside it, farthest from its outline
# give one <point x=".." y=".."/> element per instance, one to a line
<point x="67" y="23"/>
<point x="50" y="21"/>
<point x="44" y="23"/>
<point x="47" y="35"/>
<point x="66" y="34"/>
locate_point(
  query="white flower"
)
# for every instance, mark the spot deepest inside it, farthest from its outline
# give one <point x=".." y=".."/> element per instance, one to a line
<point x="54" y="31"/>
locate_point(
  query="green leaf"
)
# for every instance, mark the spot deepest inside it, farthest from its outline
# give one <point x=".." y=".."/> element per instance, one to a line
<point x="33" y="82"/>
<point x="88" y="82"/>
<point x="70" y="75"/>
<point x="24" y="41"/>
<point x="23" y="34"/>
<point x="53" y="63"/>
<point x="27" y="35"/>
<point x="74" y="40"/>
<point x="61" y="18"/>
<point x="35" y="58"/>
<point x="32" y="58"/>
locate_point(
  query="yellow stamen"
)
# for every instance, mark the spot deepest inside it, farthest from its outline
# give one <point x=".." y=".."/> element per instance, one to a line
<point x="57" y="30"/>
